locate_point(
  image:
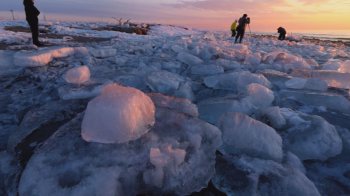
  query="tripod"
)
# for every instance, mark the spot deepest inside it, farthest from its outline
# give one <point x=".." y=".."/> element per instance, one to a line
<point x="250" y="32"/>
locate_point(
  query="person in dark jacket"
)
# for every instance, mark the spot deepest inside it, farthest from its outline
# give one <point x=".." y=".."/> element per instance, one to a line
<point x="242" y="23"/>
<point x="32" y="14"/>
<point x="282" y="31"/>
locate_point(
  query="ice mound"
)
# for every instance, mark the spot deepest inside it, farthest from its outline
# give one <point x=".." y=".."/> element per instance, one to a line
<point x="244" y="135"/>
<point x="78" y="75"/>
<point x="235" y="81"/>
<point x="45" y="56"/>
<point x="158" y="163"/>
<point x="118" y="115"/>
<point x="259" y="95"/>
<point x="311" y="137"/>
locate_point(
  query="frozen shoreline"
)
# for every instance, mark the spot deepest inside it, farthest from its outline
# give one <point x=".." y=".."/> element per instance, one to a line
<point x="265" y="117"/>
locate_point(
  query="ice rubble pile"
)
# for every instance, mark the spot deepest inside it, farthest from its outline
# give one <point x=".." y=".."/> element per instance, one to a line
<point x="244" y="116"/>
<point x="160" y="161"/>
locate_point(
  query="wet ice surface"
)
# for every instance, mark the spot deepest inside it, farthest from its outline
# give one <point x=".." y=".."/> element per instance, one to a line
<point x="260" y="118"/>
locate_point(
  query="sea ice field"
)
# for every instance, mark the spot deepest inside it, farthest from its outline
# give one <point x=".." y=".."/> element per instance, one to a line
<point x="178" y="111"/>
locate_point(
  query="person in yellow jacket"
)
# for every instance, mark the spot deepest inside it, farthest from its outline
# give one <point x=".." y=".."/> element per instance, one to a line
<point x="233" y="28"/>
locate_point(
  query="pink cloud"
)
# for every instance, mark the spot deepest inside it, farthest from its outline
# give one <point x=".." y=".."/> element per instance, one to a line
<point x="229" y="5"/>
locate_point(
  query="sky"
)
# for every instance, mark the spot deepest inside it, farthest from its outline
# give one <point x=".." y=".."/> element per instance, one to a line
<point x="266" y="15"/>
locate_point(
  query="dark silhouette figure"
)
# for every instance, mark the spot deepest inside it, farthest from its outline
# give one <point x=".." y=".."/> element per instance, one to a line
<point x="32" y="14"/>
<point x="282" y="31"/>
<point x="242" y="23"/>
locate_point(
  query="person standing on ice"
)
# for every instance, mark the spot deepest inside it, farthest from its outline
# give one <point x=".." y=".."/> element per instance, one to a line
<point x="32" y="14"/>
<point x="233" y="28"/>
<point x="282" y="31"/>
<point x="242" y="23"/>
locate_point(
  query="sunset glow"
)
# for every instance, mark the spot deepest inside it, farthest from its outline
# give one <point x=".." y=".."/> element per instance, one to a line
<point x="267" y="15"/>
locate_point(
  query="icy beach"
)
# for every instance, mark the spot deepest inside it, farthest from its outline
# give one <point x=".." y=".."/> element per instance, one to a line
<point x="175" y="112"/>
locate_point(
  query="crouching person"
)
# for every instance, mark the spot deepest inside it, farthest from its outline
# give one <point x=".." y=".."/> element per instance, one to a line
<point x="282" y="31"/>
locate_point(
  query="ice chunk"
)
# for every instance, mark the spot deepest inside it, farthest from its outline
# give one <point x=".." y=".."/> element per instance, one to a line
<point x="273" y="117"/>
<point x="45" y="56"/>
<point x="345" y="67"/>
<point x="103" y="52"/>
<point x="312" y="137"/>
<point x="189" y="59"/>
<point x="168" y="157"/>
<point x="329" y="100"/>
<point x="71" y="93"/>
<point x="78" y="75"/>
<point x="294" y="183"/>
<point x="163" y="81"/>
<point x="212" y="109"/>
<point x="206" y="70"/>
<point x="259" y="95"/>
<point x="345" y="135"/>
<point x="228" y="65"/>
<point x="294" y="162"/>
<point x="179" y="104"/>
<point x="253" y="59"/>
<point x="296" y="83"/>
<point x="6" y="64"/>
<point x="118" y="115"/>
<point x="251" y="176"/>
<point x="285" y="62"/>
<point x="8" y="173"/>
<point x="244" y="135"/>
<point x="236" y="81"/>
<point x="310" y="84"/>
<point x="316" y="84"/>
<point x="171" y="65"/>
<point x="185" y="91"/>
<point x="332" y="64"/>
<point x="333" y="78"/>
<point x="240" y="51"/>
